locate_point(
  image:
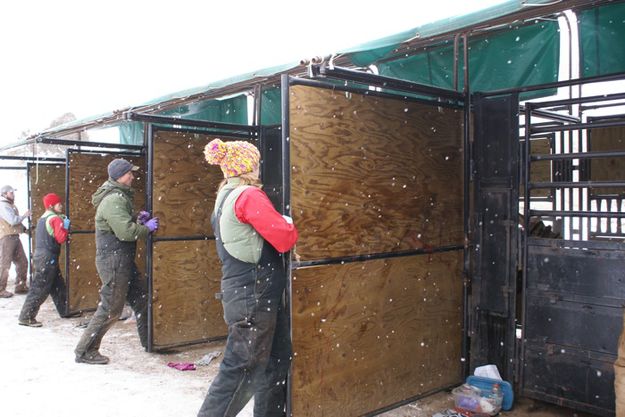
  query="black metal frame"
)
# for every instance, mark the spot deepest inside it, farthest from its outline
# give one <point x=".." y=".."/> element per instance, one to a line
<point x="444" y="98"/>
<point x="564" y="125"/>
<point x="285" y="205"/>
<point x="235" y="130"/>
<point x="30" y="220"/>
<point x="32" y="158"/>
<point x="388" y="93"/>
<point x="68" y="245"/>
<point x="152" y="125"/>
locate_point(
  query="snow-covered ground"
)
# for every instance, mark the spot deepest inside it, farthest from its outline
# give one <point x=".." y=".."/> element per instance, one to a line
<point x="39" y="377"/>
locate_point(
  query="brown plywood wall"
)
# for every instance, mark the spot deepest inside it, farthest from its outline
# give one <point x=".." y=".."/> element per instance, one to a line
<point x="186" y="272"/>
<point x="186" y="277"/>
<point x="184" y="186"/>
<point x="44" y="179"/>
<point x="86" y="174"/>
<point x="607" y="169"/>
<point x="367" y="335"/>
<point x="84" y="281"/>
<point x="372" y="174"/>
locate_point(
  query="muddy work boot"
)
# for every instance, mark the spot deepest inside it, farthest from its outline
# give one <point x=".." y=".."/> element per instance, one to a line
<point x="29" y="323"/>
<point x="92" y="358"/>
<point x="6" y="294"/>
<point x="21" y="289"/>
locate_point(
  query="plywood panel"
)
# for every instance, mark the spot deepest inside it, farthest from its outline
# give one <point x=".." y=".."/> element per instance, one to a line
<point x="540" y="170"/>
<point x="186" y="276"/>
<point x="607" y="169"/>
<point x="185" y="186"/>
<point x="367" y="335"/>
<point x="84" y="281"/>
<point x="44" y="179"/>
<point x="371" y="174"/>
<point x="87" y="173"/>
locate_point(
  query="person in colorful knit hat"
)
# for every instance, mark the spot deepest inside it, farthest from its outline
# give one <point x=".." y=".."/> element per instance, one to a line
<point x="252" y="239"/>
<point x="51" y="233"/>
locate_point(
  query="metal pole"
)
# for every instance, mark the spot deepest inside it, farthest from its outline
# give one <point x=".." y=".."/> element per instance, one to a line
<point x="31" y="158"/>
<point x="466" y="272"/>
<point x="388" y="82"/>
<point x="30" y="225"/>
<point x="55" y="141"/>
<point x="150" y="118"/>
<point x="525" y="235"/>
<point x="69" y="236"/>
<point x="148" y="140"/>
<point x="326" y="85"/>
<point x="286" y="209"/>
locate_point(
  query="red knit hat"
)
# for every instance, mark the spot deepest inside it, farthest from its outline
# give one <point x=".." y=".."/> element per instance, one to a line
<point x="50" y="200"/>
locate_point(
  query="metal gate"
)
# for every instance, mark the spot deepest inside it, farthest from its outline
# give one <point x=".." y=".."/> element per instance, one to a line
<point x="566" y="175"/>
<point x="184" y="272"/>
<point x="573" y="277"/>
<point x="494" y="249"/>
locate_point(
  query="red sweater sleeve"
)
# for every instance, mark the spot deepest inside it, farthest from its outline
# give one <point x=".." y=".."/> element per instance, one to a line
<point x="253" y="207"/>
<point x="60" y="233"/>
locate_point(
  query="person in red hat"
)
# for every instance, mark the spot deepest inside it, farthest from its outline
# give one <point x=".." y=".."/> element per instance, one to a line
<point x="51" y="233"/>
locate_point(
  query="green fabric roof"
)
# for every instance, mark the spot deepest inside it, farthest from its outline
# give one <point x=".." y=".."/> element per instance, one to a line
<point x="363" y="54"/>
<point x="367" y="53"/>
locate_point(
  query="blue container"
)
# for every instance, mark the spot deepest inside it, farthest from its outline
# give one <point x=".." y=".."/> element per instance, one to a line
<point x="487" y="384"/>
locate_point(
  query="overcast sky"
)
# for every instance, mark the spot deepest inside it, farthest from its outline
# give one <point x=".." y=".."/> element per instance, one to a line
<point x="89" y="57"/>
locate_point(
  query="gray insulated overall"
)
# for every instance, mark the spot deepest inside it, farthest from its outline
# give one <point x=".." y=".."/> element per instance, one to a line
<point x="47" y="279"/>
<point x="258" y="349"/>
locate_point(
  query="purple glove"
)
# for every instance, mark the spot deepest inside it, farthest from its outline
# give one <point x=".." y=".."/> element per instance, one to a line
<point x="152" y="224"/>
<point x="143" y="217"/>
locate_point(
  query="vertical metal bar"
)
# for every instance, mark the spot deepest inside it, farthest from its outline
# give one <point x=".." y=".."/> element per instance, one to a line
<point x="525" y="235"/>
<point x="456" y="41"/>
<point x="69" y="240"/>
<point x="568" y="26"/>
<point x="467" y="176"/>
<point x="258" y="100"/>
<point x="286" y="209"/>
<point x="571" y="192"/>
<point x="561" y="173"/>
<point x="148" y="139"/>
<point x="260" y="134"/>
<point x="30" y="224"/>
<point x="580" y="191"/>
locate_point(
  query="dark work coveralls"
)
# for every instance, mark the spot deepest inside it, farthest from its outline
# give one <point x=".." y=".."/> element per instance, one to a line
<point x="47" y="279"/>
<point x="258" y="349"/>
<point x="121" y="281"/>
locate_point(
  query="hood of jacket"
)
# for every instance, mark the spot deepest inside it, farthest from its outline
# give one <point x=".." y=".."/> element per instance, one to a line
<point x="109" y="187"/>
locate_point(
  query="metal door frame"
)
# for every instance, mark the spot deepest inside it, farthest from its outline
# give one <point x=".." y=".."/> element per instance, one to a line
<point x="353" y="81"/>
<point x="68" y="152"/>
<point x="153" y="124"/>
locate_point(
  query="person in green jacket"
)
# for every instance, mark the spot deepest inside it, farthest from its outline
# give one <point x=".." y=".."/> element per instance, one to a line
<point x="117" y="232"/>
